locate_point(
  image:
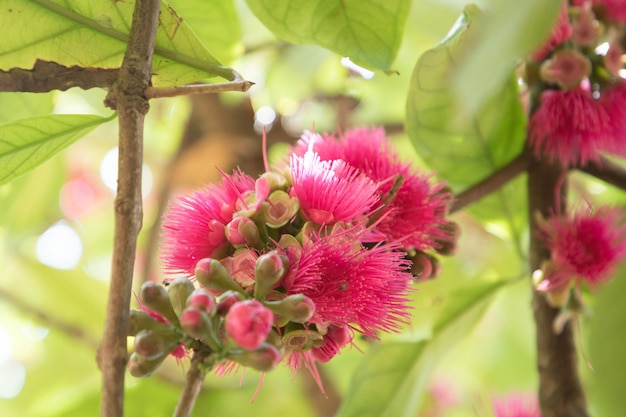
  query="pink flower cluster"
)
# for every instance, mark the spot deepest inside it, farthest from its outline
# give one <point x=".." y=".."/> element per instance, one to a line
<point x="309" y="253"/>
<point x="582" y="111"/>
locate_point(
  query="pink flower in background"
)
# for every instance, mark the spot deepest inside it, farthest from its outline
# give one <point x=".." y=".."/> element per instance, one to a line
<point x="193" y="227"/>
<point x="516" y="405"/>
<point x="570" y="126"/>
<point x="587" y="246"/>
<point x="330" y="191"/>
<point x="614" y="9"/>
<point x="416" y="213"/>
<point x="561" y="31"/>
<point x="352" y="285"/>
<point x="613" y="100"/>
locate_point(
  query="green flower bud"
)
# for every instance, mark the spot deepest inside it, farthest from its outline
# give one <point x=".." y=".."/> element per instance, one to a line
<point x="141" y="367"/>
<point x="268" y="270"/>
<point x="263" y="359"/>
<point x="156" y="299"/>
<point x="153" y="344"/>
<point x="179" y="291"/>
<point x="296" y="308"/>
<point x="213" y="275"/>
<point x="197" y="323"/>
<point x="140" y="320"/>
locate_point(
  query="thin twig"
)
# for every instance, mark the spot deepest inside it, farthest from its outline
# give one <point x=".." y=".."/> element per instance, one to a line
<point x="238" y="84"/>
<point x="48" y="76"/>
<point x="193" y="384"/>
<point x="127" y="98"/>
<point x="607" y="171"/>
<point x="490" y="184"/>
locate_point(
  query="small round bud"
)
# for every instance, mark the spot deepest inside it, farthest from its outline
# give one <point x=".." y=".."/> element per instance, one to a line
<point x="179" y="291"/>
<point x="248" y="324"/>
<point x="242" y="231"/>
<point x="296" y="308"/>
<point x="213" y="275"/>
<point x="422" y="267"/>
<point x="141" y="367"/>
<point x="268" y="271"/>
<point x="263" y="359"/>
<point x="149" y="344"/>
<point x="156" y="299"/>
<point x="203" y="299"/>
<point x="140" y="320"/>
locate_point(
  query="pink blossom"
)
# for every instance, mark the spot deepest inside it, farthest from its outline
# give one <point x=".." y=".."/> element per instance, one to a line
<point x="193" y="227"/>
<point x="334" y="339"/>
<point x="614" y="9"/>
<point x="330" y="191"/>
<point x="561" y="31"/>
<point x="570" y="127"/>
<point x="352" y="285"/>
<point x="516" y="405"/>
<point x="587" y="246"/>
<point x="613" y="100"/>
<point x="249" y="323"/>
<point x="416" y="214"/>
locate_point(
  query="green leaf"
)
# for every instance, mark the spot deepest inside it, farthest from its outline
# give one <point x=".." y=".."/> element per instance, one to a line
<point x="94" y="33"/>
<point x="393" y="376"/>
<point x="464" y="151"/>
<point x="607" y="344"/>
<point x="369" y="32"/>
<point x="15" y="106"/>
<point x="216" y="24"/>
<point x="27" y="143"/>
<point x="511" y="31"/>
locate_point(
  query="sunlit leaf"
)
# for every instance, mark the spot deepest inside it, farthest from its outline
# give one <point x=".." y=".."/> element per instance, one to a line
<point x="465" y="150"/>
<point x="394" y="375"/>
<point x="369" y="32"/>
<point x="94" y="33"/>
<point x="27" y="143"/>
<point x="511" y="30"/>
<point x="215" y="23"/>
<point x="15" y="106"/>
<point x="607" y="344"/>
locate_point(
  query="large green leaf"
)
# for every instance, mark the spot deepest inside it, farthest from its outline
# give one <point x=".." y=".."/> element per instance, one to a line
<point x="369" y="32"/>
<point x="216" y="24"/>
<point x="393" y="376"/>
<point x="94" y="33"/>
<point x="15" y="106"/>
<point x="607" y="344"/>
<point x="511" y="30"/>
<point x="27" y="143"/>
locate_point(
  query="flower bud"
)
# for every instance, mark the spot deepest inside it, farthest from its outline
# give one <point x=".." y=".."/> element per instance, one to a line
<point x="268" y="271"/>
<point x="197" y="324"/>
<point x="140" y="366"/>
<point x="248" y="323"/>
<point x="279" y="209"/>
<point x="586" y="28"/>
<point x="263" y="359"/>
<point x="242" y="231"/>
<point x="213" y="275"/>
<point x="297" y="308"/>
<point x="422" y="267"/>
<point x="227" y="300"/>
<point x="179" y="291"/>
<point x="301" y="339"/>
<point x="140" y="320"/>
<point x="204" y="300"/>
<point x="567" y="68"/>
<point x="334" y="340"/>
<point x="153" y="344"/>
<point x="240" y="266"/>
<point x="156" y="299"/>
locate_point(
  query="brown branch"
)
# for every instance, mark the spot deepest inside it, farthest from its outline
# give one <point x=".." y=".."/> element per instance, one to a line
<point x="193" y="384"/>
<point x="490" y="184"/>
<point x="607" y="171"/>
<point x="127" y="98"/>
<point x="47" y="76"/>
<point x="560" y="390"/>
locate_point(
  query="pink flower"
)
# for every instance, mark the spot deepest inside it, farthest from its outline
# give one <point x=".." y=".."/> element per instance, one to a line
<point x="351" y="285"/>
<point x="570" y="126"/>
<point x="330" y="191"/>
<point x="587" y="246"/>
<point x="614" y="9"/>
<point x="193" y="227"/>
<point x="416" y="214"/>
<point x="249" y="323"/>
<point x="613" y="100"/>
<point x="516" y="406"/>
<point x="334" y="339"/>
<point x="561" y="31"/>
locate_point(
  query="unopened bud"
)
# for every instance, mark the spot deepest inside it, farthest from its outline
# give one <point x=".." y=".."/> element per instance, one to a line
<point x="227" y="300"/>
<point x="567" y="68"/>
<point x="213" y="275"/>
<point x="141" y="367"/>
<point x="422" y="267"/>
<point x="242" y="231"/>
<point x="263" y="359"/>
<point x="586" y="28"/>
<point x="297" y="308"/>
<point x="140" y="320"/>
<point x="268" y="271"/>
<point x="248" y="324"/>
<point x="203" y="299"/>
<point x="179" y="291"/>
<point x="154" y="344"/>
<point x="155" y="297"/>
<point x="280" y="209"/>
<point x="197" y="324"/>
